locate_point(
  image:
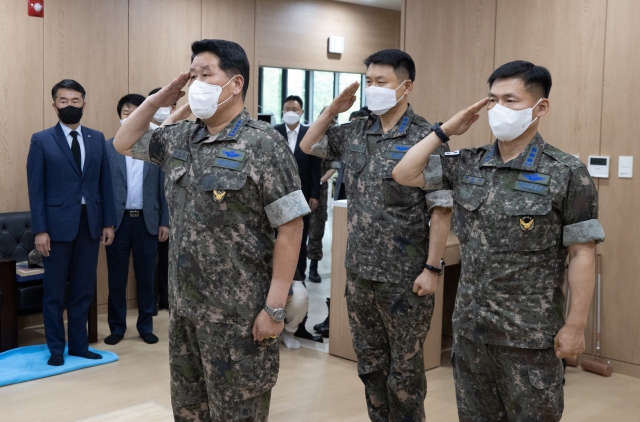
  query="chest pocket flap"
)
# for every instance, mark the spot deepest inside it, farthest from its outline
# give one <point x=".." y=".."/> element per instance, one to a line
<point x="469" y="196"/>
<point x="528" y="206"/>
<point x="223" y="181"/>
<point x="176" y="169"/>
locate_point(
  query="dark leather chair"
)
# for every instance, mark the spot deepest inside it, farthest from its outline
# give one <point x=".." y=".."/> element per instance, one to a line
<point x="24" y="298"/>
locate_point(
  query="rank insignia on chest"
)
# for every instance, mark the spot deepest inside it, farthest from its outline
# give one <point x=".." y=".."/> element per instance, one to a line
<point x="219" y="195"/>
<point x="538" y="178"/>
<point x="232" y="154"/>
<point x="526" y="223"/>
<point x="180" y="155"/>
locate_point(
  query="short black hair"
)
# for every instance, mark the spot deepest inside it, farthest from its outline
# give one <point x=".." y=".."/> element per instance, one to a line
<point x="233" y="58"/>
<point x="294" y="98"/>
<point x="67" y="84"/>
<point x="363" y="112"/>
<point x="398" y="59"/>
<point x="153" y="91"/>
<point x="536" y="79"/>
<point x="133" y="99"/>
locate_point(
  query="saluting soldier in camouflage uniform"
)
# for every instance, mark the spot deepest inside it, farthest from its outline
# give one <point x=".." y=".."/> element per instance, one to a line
<point x="521" y="206"/>
<point x="230" y="181"/>
<point x="389" y="289"/>
<point x="319" y="216"/>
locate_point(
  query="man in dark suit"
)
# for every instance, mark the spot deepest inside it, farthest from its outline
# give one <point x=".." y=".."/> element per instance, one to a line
<point x="308" y="165"/>
<point x="72" y="210"/>
<point x="142" y="219"/>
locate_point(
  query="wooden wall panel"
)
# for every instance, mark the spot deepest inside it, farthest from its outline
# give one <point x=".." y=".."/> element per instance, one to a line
<point x="294" y="34"/>
<point x="21" y="74"/>
<point x="620" y="198"/>
<point x="238" y="25"/>
<point x="451" y="73"/>
<point x="566" y="37"/>
<point x="160" y="37"/>
<point x="86" y="40"/>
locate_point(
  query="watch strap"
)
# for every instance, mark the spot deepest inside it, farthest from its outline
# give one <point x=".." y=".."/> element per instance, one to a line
<point x="438" y="130"/>
<point x="433" y="269"/>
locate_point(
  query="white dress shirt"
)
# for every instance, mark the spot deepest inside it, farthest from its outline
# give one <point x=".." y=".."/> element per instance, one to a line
<point x="135" y="171"/>
<point x="67" y="133"/>
<point x="293" y="136"/>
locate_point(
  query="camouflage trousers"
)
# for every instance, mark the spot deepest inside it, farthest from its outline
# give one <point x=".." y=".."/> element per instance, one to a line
<point x="218" y="373"/>
<point x="499" y="383"/>
<point x="317" y="221"/>
<point x="389" y="324"/>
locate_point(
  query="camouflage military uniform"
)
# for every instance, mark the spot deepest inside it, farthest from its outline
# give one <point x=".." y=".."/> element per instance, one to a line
<point x="514" y="222"/>
<point x="226" y="193"/>
<point x="318" y="218"/>
<point x="388" y="242"/>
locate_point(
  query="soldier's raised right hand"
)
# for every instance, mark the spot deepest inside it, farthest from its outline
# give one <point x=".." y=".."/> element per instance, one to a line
<point x="170" y="94"/>
<point x="462" y="121"/>
<point x="345" y="100"/>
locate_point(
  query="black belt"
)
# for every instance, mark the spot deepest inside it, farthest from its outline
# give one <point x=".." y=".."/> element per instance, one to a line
<point x="134" y="213"/>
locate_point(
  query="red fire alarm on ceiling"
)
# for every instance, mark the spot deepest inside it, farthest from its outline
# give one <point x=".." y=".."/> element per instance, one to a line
<point x="36" y="8"/>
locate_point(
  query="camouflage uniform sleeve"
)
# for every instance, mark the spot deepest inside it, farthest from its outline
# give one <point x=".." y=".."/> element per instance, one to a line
<point x="153" y="145"/>
<point x="436" y="195"/>
<point x="282" y="196"/>
<point x="580" y="215"/>
<point x="332" y="145"/>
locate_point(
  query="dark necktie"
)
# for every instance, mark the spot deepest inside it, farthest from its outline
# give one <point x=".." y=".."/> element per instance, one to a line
<point x="75" y="149"/>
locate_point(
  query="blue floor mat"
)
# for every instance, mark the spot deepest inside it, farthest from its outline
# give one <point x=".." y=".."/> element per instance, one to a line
<point x="30" y="363"/>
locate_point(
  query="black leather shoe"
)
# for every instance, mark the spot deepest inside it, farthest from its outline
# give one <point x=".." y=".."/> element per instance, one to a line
<point x="113" y="338"/>
<point x="86" y="355"/>
<point x="56" y="360"/>
<point x="314" y="277"/>
<point x="149" y="338"/>
<point x="324" y="332"/>
<point x="324" y="325"/>
<point x="303" y="333"/>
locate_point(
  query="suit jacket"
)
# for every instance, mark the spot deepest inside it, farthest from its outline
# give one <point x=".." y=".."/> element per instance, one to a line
<point x="308" y="165"/>
<point x="155" y="209"/>
<point x="56" y="186"/>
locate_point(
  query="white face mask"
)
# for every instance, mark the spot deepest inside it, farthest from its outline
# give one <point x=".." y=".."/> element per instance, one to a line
<point x="162" y="114"/>
<point x="122" y="121"/>
<point x="291" y="117"/>
<point x="203" y="98"/>
<point x="507" y="124"/>
<point x="380" y="100"/>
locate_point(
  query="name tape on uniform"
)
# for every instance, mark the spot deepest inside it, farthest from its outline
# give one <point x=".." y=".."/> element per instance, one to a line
<point x="180" y="155"/>
<point x="473" y="180"/>
<point x="228" y="164"/>
<point x="531" y="187"/>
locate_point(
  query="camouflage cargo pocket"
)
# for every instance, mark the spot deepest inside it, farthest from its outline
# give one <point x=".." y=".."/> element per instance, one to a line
<point x="254" y="369"/>
<point x="225" y="198"/>
<point x="356" y="157"/>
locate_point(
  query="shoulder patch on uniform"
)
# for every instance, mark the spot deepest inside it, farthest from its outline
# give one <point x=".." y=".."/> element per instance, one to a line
<point x="420" y="121"/>
<point x="562" y="157"/>
<point x="449" y="153"/>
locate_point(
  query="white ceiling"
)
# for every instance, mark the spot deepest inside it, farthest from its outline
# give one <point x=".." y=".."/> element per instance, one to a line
<point x="384" y="4"/>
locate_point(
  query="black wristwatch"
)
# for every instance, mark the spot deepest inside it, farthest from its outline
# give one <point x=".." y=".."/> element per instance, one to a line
<point x="435" y="269"/>
<point x="438" y="130"/>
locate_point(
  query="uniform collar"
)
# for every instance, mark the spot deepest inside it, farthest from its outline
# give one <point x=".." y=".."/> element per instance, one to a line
<point x="528" y="159"/>
<point x="398" y="130"/>
<point x="229" y="133"/>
